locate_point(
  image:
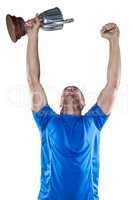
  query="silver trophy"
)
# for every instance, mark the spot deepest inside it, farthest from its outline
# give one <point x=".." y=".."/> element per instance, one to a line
<point x="51" y="19"/>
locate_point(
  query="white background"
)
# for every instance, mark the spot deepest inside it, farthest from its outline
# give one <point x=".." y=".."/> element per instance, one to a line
<point x="76" y="55"/>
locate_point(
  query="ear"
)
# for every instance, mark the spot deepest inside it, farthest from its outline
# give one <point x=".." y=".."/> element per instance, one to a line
<point x="61" y="101"/>
<point x="82" y="104"/>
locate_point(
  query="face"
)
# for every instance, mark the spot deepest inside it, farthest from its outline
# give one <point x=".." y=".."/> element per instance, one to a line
<point x="72" y="96"/>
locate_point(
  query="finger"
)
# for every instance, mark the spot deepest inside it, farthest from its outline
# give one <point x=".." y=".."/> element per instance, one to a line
<point x="104" y="28"/>
<point x="111" y="25"/>
<point x="108" y="26"/>
<point x="31" y="20"/>
<point x="110" y="29"/>
<point x="28" y="24"/>
<point x="37" y="20"/>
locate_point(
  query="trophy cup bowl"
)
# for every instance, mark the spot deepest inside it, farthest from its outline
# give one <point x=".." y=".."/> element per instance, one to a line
<point x="51" y="19"/>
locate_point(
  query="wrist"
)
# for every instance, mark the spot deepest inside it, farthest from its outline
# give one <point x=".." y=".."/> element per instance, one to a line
<point x="114" y="40"/>
<point x="33" y="35"/>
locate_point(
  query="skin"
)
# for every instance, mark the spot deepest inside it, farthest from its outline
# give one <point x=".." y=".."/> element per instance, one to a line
<point x="72" y="100"/>
<point x="107" y="96"/>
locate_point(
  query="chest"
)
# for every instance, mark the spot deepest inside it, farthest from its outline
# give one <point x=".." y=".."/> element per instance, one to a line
<point x="71" y="134"/>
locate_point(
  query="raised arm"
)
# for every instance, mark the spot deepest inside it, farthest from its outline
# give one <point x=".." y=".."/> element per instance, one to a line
<point x="38" y="95"/>
<point x="107" y="96"/>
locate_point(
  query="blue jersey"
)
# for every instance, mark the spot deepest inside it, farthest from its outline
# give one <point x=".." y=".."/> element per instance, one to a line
<point x="69" y="153"/>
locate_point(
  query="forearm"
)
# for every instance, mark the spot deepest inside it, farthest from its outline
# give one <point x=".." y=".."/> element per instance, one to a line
<point x="114" y="65"/>
<point x="33" y="63"/>
<point x="38" y="95"/>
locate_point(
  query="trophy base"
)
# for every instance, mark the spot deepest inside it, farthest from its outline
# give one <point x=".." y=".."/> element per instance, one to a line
<point x="16" y="27"/>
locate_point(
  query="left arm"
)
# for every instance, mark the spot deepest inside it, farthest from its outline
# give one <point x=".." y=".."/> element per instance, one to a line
<point x="108" y="94"/>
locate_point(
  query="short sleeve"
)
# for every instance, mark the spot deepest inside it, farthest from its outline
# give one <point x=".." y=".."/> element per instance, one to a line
<point x="98" y="116"/>
<point x="43" y="116"/>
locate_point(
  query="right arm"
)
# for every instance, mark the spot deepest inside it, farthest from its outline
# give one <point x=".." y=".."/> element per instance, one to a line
<point x="38" y="95"/>
<point x="108" y="95"/>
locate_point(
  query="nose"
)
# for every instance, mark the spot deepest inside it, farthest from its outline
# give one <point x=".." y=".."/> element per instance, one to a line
<point x="70" y="91"/>
<point x="71" y="88"/>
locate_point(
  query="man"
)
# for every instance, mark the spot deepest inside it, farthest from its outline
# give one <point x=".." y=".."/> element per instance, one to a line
<point x="70" y="140"/>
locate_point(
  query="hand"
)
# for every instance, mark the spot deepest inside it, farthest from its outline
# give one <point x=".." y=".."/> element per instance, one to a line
<point x="110" y="31"/>
<point x="32" y="26"/>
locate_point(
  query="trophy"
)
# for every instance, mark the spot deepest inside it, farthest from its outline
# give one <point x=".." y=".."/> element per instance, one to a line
<point x="51" y="19"/>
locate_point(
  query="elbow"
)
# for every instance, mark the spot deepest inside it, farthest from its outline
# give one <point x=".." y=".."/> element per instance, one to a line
<point x="32" y="83"/>
<point x="114" y="85"/>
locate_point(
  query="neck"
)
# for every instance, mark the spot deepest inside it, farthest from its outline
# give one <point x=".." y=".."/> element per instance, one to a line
<point x="71" y="110"/>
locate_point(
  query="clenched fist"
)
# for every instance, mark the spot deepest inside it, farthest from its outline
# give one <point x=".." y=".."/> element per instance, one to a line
<point x="32" y="26"/>
<point x="110" y="31"/>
